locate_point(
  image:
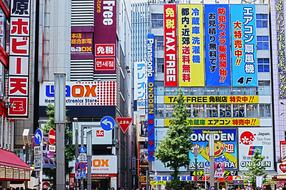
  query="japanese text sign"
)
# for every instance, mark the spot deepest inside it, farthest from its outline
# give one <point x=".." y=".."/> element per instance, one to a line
<point x="140" y="84"/>
<point x="19" y="58"/>
<point x="81" y="45"/>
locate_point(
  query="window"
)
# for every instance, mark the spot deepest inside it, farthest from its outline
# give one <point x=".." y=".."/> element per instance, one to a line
<point x="160" y="65"/>
<point x="169" y="110"/>
<point x="198" y="111"/>
<point x="225" y="110"/>
<point x="264" y="110"/>
<point x="157" y="20"/>
<point x="159" y="40"/>
<point x="238" y="110"/>
<point x="212" y="110"/>
<point x="263" y="65"/>
<point x="251" y="110"/>
<point x="264" y="88"/>
<point x="160" y="111"/>
<point x="261" y="20"/>
<point x="262" y="42"/>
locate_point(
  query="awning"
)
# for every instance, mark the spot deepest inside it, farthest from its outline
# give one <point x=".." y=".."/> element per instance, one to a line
<point x="12" y="168"/>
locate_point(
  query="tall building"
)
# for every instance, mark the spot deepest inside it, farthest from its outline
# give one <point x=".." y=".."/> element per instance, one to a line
<point x="220" y="56"/>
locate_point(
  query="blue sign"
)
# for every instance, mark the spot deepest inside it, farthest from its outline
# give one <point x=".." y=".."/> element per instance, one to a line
<point x="82" y="149"/>
<point x="38" y="137"/>
<point x="217" y="45"/>
<point x="150" y="90"/>
<point x="107" y="123"/>
<point x="244" y="62"/>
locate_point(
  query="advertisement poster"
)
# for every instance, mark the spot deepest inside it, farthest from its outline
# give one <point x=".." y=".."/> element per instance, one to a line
<point x="151" y="94"/>
<point x="170" y="42"/>
<point x="104" y="164"/>
<point x="243" y="32"/>
<point x="225" y="148"/>
<point x="256" y="139"/>
<point x="217" y="45"/>
<point x="81" y="45"/>
<point x="140" y="84"/>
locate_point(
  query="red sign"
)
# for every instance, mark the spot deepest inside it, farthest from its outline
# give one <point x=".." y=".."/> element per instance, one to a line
<point x="105" y="64"/>
<point x="52" y="136"/>
<point x="171" y="71"/>
<point x="100" y="133"/>
<point x="124" y="123"/>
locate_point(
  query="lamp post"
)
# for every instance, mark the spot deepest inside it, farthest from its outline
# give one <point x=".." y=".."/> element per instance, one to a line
<point x="89" y="155"/>
<point x="196" y="164"/>
<point x="211" y="153"/>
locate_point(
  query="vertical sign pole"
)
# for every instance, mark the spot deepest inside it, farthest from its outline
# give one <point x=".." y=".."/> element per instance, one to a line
<point x="89" y="155"/>
<point x="211" y="149"/>
<point x="76" y="150"/>
<point x="60" y="113"/>
<point x="81" y="145"/>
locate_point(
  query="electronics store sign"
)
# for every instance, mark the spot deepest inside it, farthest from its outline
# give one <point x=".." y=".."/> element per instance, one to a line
<point x="256" y="139"/>
<point x="100" y="93"/>
<point x="104" y="165"/>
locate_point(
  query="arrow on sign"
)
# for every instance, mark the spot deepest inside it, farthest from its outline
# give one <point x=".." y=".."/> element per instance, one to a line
<point x="124" y="123"/>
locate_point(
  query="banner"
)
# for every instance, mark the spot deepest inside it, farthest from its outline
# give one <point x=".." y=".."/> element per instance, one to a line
<point x="244" y="62"/>
<point x="105" y="36"/>
<point x="151" y="94"/>
<point x="18" y="81"/>
<point x="256" y="139"/>
<point x="214" y="99"/>
<point x="219" y="122"/>
<point x="140" y="84"/>
<point x="81" y="45"/>
<point x="170" y="45"/>
<point x="191" y="45"/>
<point x="225" y="147"/>
<point x="217" y="45"/>
<point x="106" y="164"/>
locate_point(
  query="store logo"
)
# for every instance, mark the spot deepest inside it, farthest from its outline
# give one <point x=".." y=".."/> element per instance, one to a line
<point x="252" y="150"/>
<point x="282" y="167"/>
<point x="78" y="90"/>
<point x="100" y="163"/>
<point x="99" y="133"/>
<point x="247" y="138"/>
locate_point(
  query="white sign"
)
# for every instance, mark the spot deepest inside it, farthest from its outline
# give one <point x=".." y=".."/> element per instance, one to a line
<point x="99" y="136"/>
<point x="101" y="93"/>
<point x="140" y="84"/>
<point x="252" y="139"/>
<point x="52" y="148"/>
<point x="82" y="157"/>
<point x="104" y="165"/>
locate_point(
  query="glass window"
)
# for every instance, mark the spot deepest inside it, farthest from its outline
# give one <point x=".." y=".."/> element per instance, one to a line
<point x="224" y="91"/>
<point x="264" y="88"/>
<point x="212" y="110"/>
<point x="264" y="110"/>
<point x="225" y="110"/>
<point x="251" y="110"/>
<point x="157" y="20"/>
<point x="238" y="110"/>
<point x="160" y="111"/>
<point x="263" y="65"/>
<point x="159" y="40"/>
<point x="170" y="91"/>
<point x="198" y="110"/>
<point x="169" y="110"/>
<point x="262" y="42"/>
<point x="211" y="91"/>
<point x="236" y="91"/>
<point x="160" y="65"/>
<point x="261" y="20"/>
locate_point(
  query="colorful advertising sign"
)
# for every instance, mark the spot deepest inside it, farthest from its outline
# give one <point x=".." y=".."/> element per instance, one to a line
<point x="97" y="93"/>
<point x="19" y="59"/>
<point x="104" y="165"/>
<point x="191" y="45"/>
<point x="225" y="147"/>
<point x="217" y="45"/>
<point x="283" y="151"/>
<point x="151" y="94"/>
<point x="219" y="122"/>
<point x="256" y="139"/>
<point x="244" y="63"/>
<point x="140" y="84"/>
<point x="170" y="40"/>
<point x="105" y="36"/>
<point x="214" y="99"/>
<point x="81" y="45"/>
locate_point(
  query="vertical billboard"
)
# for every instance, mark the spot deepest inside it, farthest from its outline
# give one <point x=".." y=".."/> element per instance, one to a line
<point x="191" y="45"/>
<point x="170" y="40"/>
<point x="225" y="147"/>
<point x="140" y="84"/>
<point x="81" y="45"/>
<point x="217" y="45"/>
<point x="243" y="32"/>
<point x="256" y="139"/>
<point x="18" y="81"/>
<point x="105" y="37"/>
<point x="151" y="99"/>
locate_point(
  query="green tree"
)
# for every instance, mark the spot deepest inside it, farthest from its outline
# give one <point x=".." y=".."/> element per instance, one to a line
<point x="69" y="148"/>
<point x="174" y="148"/>
<point x="255" y="168"/>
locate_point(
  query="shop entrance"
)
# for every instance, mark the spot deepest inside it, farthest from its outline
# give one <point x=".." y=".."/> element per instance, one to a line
<point x="100" y="184"/>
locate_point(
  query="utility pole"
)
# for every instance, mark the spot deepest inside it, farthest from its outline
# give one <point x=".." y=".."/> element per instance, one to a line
<point x="211" y="153"/>
<point x="81" y="144"/>
<point x="89" y="155"/>
<point x="76" y="149"/>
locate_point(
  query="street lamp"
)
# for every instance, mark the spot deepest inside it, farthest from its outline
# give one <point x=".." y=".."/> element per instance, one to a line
<point x="211" y="153"/>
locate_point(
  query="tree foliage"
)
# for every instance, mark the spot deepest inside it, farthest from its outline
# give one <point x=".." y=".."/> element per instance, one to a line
<point x="255" y="168"/>
<point x="174" y="148"/>
<point x="69" y="148"/>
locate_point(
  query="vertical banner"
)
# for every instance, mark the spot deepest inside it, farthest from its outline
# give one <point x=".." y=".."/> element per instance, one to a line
<point x="244" y="63"/>
<point x="170" y="41"/>
<point x="140" y="84"/>
<point x="217" y="45"/>
<point x="105" y="37"/>
<point x="150" y="85"/>
<point x="18" y="90"/>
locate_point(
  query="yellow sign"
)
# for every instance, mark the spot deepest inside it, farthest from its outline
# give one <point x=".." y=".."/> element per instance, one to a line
<point x="214" y="99"/>
<point x="219" y="122"/>
<point x="153" y="183"/>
